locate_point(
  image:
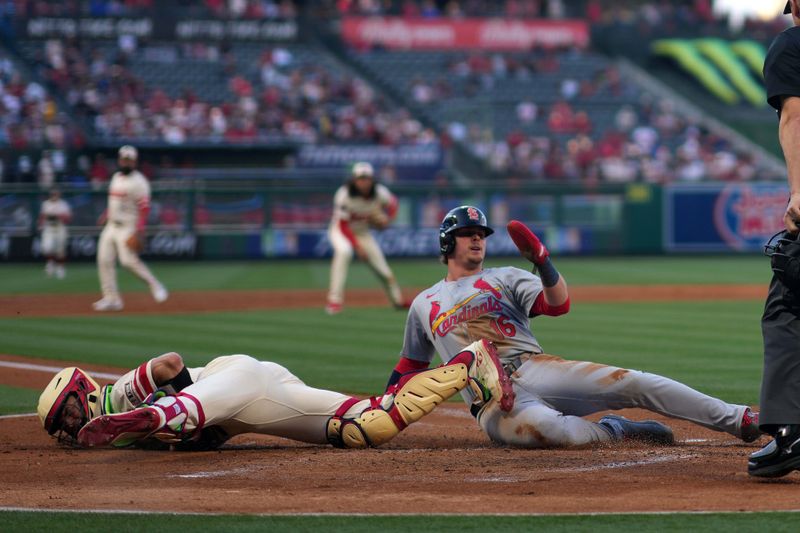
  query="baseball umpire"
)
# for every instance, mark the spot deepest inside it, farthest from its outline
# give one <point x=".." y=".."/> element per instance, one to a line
<point x="780" y="323"/>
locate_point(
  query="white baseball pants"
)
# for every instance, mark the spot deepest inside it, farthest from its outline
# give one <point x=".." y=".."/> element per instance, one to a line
<point x="343" y="254"/>
<point x="243" y="395"/>
<point x="112" y="244"/>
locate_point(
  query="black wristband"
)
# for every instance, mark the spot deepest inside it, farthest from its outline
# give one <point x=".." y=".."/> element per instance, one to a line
<point x="548" y="273"/>
<point x="394" y="378"/>
<point x="181" y="380"/>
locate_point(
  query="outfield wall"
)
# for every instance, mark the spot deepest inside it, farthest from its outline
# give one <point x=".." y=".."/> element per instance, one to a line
<point x="259" y="222"/>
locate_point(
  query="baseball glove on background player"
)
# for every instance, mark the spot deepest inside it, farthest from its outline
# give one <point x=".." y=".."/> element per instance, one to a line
<point x="135" y="242"/>
<point x="378" y="219"/>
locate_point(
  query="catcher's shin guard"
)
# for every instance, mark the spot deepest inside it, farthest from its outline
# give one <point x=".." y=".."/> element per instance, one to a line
<point x="415" y="395"/>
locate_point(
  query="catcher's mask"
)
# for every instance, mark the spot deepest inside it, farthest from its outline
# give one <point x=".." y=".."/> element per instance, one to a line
<point x="783" y="249"/>
<point x="71" y="381"/>
<point x="465" y="216"/>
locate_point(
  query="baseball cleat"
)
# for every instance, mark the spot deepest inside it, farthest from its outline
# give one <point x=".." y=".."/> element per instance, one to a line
<point x="749" y="430"/>
<point x="649" y="431"/>
<point x="107" y="304"/>
<point x="121" y="429"/>
<point x="778" y="458"/>
<point x="159" y="293"/>
<point x="332" y="308"/>
<point x="486" y="370"/>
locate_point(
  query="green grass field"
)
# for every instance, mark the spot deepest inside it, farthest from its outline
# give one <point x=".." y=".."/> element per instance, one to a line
<point x="712" y="346"/>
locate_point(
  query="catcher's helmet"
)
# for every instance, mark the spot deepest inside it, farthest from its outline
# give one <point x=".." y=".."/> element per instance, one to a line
<point x="460" y="217"/>
<point x="70" y="381"/>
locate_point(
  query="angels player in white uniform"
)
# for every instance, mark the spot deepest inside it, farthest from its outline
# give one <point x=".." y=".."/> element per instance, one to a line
<point x="552" y="394"/>
<point x="358" y="206"/>
<point x="123" y="234"/>
<point x="54" y="216"/>
<point x="162" y="401"/>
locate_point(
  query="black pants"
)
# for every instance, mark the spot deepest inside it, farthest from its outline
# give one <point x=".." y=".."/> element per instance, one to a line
<point x="780" y="384"/>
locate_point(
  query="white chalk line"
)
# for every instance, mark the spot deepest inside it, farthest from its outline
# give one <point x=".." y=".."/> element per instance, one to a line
<point x="211" y="474"/>
<point x="186" y="513"/>
<point x="54" y="369"/>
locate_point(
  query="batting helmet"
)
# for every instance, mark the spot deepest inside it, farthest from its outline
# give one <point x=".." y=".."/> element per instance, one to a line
<point x="71" y="381"/>
<point x="784" y="257"/>
<point x="465" y="216"/>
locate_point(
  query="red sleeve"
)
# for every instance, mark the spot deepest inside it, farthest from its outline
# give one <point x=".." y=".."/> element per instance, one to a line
<point x="541" y="307"/>
<point x="144" y="210"/>
<point x="407" y="365"/>
<point x="344" y="226"/>
<point x="391" y="209"/>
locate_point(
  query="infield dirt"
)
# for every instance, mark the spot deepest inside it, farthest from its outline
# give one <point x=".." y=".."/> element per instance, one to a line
<point x="442" y="464"/>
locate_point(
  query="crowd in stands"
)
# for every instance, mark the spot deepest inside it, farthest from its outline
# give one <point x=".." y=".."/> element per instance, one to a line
<point x="29" y="115"/>
<point x="281" y="101"/>
<point x="648" y="143"/>
<point x="560" y="142"/>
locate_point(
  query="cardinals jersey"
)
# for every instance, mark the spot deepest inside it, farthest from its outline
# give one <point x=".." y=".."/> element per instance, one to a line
<point x="493" y="305"/>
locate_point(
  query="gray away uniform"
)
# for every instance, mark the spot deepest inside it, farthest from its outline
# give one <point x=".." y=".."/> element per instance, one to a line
<point x="552" y="393"/>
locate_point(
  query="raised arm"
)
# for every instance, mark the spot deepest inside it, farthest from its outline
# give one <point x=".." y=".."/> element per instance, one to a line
<point x="554" y="299"/>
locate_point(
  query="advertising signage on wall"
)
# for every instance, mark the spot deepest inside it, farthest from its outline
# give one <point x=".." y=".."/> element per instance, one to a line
<point x="166" y="27"/>
<point x="740" y="217"/>
<point x="485" y="34"/>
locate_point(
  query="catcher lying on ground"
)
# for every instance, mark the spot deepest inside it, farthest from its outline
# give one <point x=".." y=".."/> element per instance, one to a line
<point x="162" y="402"/>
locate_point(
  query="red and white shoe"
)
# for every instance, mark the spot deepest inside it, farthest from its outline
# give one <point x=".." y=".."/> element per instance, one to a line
<point x="121" y="429"/>
<point x="333" y="308"/>
<point x="487" y="373"/>
<point x="749" y="431"/>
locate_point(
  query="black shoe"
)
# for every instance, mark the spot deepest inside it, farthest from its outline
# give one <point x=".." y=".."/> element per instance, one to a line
<point x="646" y="431"/>
<point x="779" y="457"/>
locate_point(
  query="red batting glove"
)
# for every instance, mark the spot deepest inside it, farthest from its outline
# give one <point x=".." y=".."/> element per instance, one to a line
<point x="528" y="243"/>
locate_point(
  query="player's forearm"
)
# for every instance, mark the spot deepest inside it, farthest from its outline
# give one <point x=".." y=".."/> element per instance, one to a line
<point x="789" y="133"/>
<point x="557" y="294"/>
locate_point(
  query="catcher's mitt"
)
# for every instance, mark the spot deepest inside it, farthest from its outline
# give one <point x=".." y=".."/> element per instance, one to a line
<point x="135" y="243"/>
<point x="783" y="250"/>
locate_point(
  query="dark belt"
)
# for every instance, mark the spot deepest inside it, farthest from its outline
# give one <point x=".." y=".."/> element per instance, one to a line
<point x="512" y="365"/>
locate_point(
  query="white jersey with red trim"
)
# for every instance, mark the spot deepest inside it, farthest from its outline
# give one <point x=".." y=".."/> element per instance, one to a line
<point x="55" y="212"/>
<point x="127" y="194"/>
<point x="493" y="304"/>
<point x="356" y="210"/>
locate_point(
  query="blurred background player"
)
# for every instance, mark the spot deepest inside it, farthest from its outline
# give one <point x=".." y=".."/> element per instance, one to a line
<point x="123" y="234"/>
<point x="358" y="206"/>
<point x="54" y="216"/>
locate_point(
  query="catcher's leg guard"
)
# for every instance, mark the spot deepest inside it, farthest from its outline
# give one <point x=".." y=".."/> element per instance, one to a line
<point x="415" y="395"/>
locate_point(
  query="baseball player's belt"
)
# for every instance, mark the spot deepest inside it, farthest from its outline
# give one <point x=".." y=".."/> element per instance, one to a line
<point x="512" y="365"/>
